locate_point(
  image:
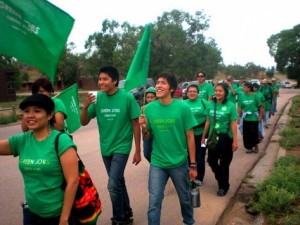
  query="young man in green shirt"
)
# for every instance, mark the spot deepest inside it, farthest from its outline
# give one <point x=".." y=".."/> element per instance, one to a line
<point x="117" y="114"/>
<point x="170" y="122"/>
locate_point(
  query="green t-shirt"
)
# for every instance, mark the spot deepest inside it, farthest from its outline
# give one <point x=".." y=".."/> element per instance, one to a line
<point x="206" y="90"/>
<point x="168" y="124"/>
<point x="225" y="114"/>
<point x="198" y="108"/>
<point x="240" y="90"/>
<point x="275" y="90"/>
<point x="59" y="106"/>
<point x="231" y="97"/>
<point x="41" y="170"/>
<point x="266" y="98"/>
<point x="250" y="103"/>
<point x="114" y="117"/>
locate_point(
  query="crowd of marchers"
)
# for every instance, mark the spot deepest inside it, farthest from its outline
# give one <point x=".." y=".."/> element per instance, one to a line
<point x="176" y="137"/>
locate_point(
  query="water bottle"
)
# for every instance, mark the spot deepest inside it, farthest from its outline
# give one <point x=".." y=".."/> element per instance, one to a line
<point x="195" y="196"/>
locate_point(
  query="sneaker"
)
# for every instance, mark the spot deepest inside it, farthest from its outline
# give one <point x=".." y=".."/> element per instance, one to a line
<point x="198" y="182"/>
<point x="221" y="192"/>
<point x="116" y="222"/>
<point x="249" y="151"/>
<point x="128" y="218"/>
<point x="255" y="149"/>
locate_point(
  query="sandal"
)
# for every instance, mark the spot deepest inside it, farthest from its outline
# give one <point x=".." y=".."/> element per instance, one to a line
<point x="221" y="192"/>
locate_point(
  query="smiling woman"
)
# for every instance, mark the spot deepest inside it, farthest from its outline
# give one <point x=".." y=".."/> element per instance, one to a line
<point x="40" y="167"/>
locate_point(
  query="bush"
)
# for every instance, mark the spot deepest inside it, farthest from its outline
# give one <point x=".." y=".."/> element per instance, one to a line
<point x="277" y="193"/>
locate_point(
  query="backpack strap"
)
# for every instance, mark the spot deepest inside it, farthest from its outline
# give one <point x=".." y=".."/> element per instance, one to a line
<point x="56" y="144"/>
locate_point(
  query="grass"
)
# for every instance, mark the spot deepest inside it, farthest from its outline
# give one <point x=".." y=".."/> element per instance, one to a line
<point x="278" y="196"/>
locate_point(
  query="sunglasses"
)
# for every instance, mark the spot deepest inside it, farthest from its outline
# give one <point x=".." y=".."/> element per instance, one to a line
<point x="200" y="76"/>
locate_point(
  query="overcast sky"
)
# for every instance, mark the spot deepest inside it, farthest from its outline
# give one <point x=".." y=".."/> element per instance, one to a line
<point x="240" y="27"/>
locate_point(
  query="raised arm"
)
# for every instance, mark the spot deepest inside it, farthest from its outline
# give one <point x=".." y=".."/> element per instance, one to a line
<point x="4" y="147"/>
<point x="89" y="99"/>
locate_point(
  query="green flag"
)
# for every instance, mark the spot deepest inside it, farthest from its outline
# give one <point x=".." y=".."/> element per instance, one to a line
<point x="138" y="70"/>
<point x="34" y="32"/>
<point x="70" y="98"/>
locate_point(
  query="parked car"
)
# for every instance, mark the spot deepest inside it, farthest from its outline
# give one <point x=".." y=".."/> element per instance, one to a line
<point x="180" y="87"/>
<point x="139" y="92"/>
<point x="285" y="84"/>
<point x="255" y="81"/>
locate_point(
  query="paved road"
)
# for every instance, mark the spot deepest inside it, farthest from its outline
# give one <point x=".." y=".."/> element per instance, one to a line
<point x="86" y="138"/>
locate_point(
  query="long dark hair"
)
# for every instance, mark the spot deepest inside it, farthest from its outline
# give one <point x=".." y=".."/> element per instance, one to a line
<point x="224" y="86"/>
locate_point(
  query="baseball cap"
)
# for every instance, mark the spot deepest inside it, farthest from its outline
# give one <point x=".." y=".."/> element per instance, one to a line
<point x="151" y="90"/>
<point x="39" y="100"/>
<point x="274" y="79"/>
<point x="264" y="81"/>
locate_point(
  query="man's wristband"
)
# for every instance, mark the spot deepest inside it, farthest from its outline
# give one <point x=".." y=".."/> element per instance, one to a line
<point x="145" y="132"/>
<point x="193" y="165"/>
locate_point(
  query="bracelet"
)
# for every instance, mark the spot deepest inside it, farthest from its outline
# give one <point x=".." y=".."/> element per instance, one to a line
<point x="193" y="168"/>
<point x="193" y="165"/>
<point x="145" y="132"/>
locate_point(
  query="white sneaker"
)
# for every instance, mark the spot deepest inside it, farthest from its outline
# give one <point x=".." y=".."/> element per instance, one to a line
<point x="198" y="182"/>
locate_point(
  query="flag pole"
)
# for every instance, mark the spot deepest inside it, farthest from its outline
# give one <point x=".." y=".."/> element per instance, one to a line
<point x="144" y="98"/>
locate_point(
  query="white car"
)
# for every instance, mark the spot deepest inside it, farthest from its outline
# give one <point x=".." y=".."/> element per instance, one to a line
<point x="255" y="81"/>
<point x="285" y="84"/>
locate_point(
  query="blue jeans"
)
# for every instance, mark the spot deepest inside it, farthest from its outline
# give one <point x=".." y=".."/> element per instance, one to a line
<point x="158" y="178"/>
<point x="115" y="167"/>
<point x="147" y="144"/>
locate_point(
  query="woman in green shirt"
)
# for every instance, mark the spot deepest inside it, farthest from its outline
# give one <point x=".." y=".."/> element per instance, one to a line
<point x="250" y="111"/>
<point x="198" y="107"/>
<point x="44" y="86"/>
<point x="43" y="169"/>
<point x="221" y="116"/>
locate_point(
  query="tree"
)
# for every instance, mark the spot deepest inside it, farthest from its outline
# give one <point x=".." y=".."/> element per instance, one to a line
<point x="285" y="48"/>
<point x="68" y="67"/>
<point x="177" y="44"/>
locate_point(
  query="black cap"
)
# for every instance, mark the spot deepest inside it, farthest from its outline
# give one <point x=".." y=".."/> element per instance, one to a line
<point x="39" y="100"/>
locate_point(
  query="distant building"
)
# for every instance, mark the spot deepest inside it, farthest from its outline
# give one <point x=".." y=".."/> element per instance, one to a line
<point x="7" y="85"/>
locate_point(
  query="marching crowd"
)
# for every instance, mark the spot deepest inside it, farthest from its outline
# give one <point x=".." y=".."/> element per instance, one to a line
<point x="175" y="134"/>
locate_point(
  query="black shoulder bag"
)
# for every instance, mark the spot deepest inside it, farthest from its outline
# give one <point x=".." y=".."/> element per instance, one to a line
<point x="214" y="136"/>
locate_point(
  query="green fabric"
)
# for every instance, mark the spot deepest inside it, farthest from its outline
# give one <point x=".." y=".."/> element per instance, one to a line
<point x="230" y="96"/>
<point x="34" y="32"/>
<point x="198" y="108"/>
<point x="59" y="106"/>
<point x="41" y="171"/>
<point x="250" y="103"/>
<point x="114" y="117"/>
<point x="275" y="91"/>
<point x="138" y="70"/>
<point x="267" y="93"/>
<point x="206" y="90"/>
<point x="70" y="100"/>
<point x="225" y="114"/>
<point x="168" y="124"/>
